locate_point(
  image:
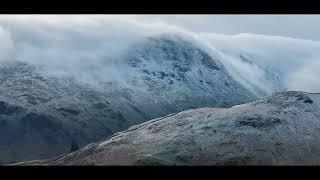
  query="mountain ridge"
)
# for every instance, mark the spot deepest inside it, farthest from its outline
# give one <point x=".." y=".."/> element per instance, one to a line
<point x="43" y="114"/>
<point x="281" y="129"/>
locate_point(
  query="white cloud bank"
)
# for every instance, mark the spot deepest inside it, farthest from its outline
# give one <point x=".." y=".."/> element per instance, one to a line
<point x="294" y="60"/>
<point x="6" y="45"/>
<point x="72" y="43"/>
<point x="68" y="39"/>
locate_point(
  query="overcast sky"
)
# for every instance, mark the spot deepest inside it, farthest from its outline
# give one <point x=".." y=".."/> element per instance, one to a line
<point x="296" y="26"/>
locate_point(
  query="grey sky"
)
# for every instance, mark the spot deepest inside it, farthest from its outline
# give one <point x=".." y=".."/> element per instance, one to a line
<point x="296" y="26"/>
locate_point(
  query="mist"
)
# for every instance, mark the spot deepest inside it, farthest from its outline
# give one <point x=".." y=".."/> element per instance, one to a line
<point x="84" y="46"/>
<point x="290" y="58"/>
<point x="6" y="45"/>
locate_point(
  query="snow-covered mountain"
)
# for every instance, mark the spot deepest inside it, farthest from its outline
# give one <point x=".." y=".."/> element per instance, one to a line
<point x="177" y="75"/>
<point x="282" y="129"/>
<point x="42" y="113"/>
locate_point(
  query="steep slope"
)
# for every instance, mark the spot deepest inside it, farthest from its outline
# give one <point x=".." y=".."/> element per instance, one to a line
<point x="176" y="75"/>
<point x="42" y="114"/>
<point x="282" y="129"/>
<point x="259" y="78"/>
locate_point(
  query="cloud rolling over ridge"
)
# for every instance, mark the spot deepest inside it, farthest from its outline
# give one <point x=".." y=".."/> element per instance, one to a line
<point x="69" y="45"/>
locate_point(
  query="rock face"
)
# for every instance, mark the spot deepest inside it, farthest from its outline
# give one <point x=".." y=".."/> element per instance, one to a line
<point x="42" y="115"/>
<point x="282" y="129"/>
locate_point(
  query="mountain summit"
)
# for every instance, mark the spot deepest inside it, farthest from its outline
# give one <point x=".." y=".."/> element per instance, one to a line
<point x="41" y="115"/>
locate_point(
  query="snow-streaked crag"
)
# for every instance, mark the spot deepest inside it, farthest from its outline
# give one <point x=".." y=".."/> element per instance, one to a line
<point x="282" y="129"/>
<point x="41" y="114"/>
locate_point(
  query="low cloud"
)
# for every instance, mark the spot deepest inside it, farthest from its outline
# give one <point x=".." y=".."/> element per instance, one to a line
<point x="6" y="45"/>
<point x="75" y="44"/>
<point x="306" y="78"/>
<point x="289" y="58"/>
<point x="72" y="39"/>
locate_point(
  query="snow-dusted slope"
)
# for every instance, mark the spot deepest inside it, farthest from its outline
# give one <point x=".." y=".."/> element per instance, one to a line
<point x="275" y="63"/>
<point x="282" y="129"/>
<point x="41" y="112"/>
<point x="260" y="79"/>
<point x="177" y="75"/>
<point x="40" y="116"/>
